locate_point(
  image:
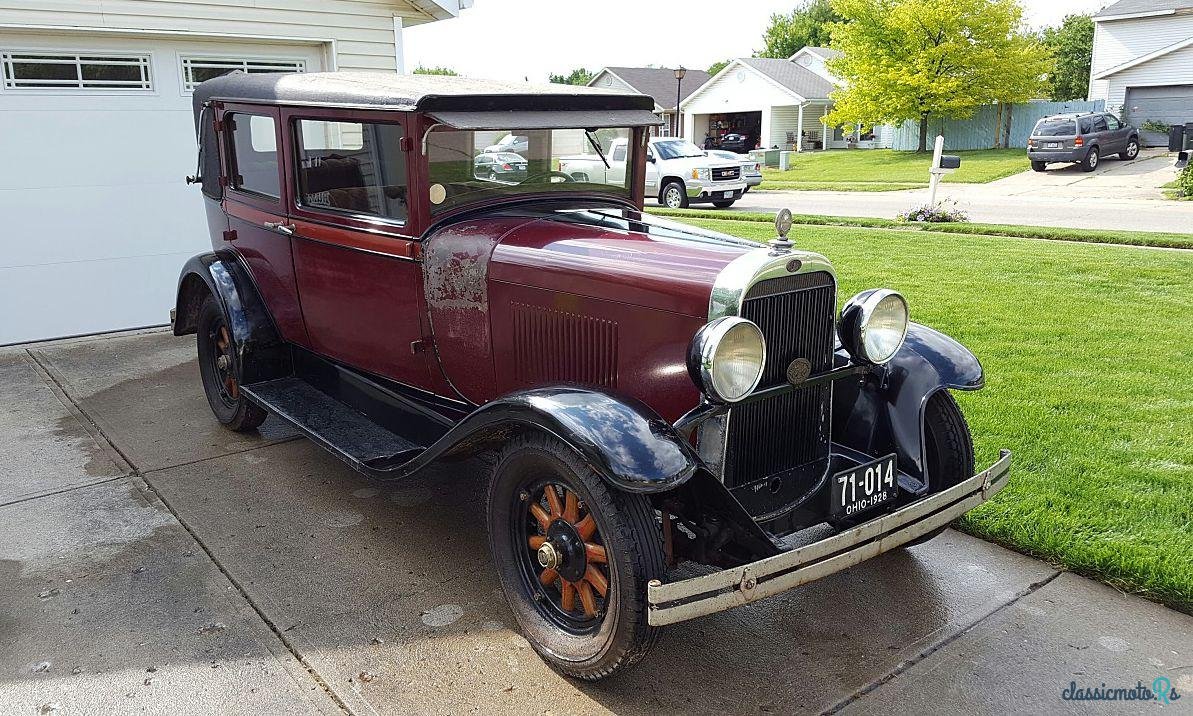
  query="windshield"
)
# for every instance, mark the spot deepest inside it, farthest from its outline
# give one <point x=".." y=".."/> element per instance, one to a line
<point x="1055" y="127"/>
<point x="677" y="148"/>
<point x="544" y="160"/>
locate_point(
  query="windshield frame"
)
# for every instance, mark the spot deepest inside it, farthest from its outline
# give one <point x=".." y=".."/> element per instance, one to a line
<point x="430" y="214"/>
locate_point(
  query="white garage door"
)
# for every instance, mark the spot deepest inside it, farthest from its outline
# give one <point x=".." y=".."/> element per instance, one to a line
<point x="1172" y="104"/>
<point x="96" y="138"/>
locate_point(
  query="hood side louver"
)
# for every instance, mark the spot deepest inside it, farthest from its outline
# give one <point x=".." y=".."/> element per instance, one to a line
<point x="552" y="346"/>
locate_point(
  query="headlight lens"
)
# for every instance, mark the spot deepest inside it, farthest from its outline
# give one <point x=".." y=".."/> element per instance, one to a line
<point x="873" y="325"/>
<point x="726" y="359"/>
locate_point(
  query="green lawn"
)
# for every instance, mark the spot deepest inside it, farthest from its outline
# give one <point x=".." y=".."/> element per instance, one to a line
<point x="886" y="169"/>
<point x="1054" y="233"/>
<point x="1088" y="366"/>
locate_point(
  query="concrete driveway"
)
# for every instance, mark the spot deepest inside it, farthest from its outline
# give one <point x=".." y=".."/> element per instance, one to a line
<point x="153" y="562"/>
<point x="1118" y="195"/>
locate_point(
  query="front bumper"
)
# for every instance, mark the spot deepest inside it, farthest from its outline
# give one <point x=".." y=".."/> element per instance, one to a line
<point x="678" y="601"/>
<point x="701" y="190"/>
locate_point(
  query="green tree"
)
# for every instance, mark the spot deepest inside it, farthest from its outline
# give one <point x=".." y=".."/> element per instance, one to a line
<point x="578" y="76"/>
<point x="915" y="59"/>
<point x="716" y="67"/>
<point x="808" y="25"/>
<point x="1072" y="46"/>
<point x="420" y="70"/>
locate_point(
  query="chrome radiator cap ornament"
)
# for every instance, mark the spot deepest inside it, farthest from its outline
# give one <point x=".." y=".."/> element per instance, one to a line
<point x="783" y="222"/>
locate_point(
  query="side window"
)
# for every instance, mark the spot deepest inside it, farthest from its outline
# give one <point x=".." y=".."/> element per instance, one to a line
<point x="1100" y="124"/>
<point x="353" y="168"/>
<point x="619" y="153"/>
<point x="1113" y="123"/>
<point x="255" y="155"/>
<point x="1087" y="125"/>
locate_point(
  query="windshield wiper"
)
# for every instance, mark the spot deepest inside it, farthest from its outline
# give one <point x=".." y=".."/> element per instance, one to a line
<point x="596" y="146"/>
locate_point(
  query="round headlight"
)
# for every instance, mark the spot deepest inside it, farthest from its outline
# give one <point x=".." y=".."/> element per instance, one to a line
<point x="873" y="325"/>
<point x="726" y="359"/>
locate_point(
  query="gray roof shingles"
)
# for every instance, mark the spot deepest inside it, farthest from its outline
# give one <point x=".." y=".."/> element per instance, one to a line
<point x="1138" y="7"/>
<point x="659" y="82"/>
<point x="800" y="80"/>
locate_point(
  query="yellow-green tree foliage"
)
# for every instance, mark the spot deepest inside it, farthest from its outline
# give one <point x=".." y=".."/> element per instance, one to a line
<point x="915" y="59"/>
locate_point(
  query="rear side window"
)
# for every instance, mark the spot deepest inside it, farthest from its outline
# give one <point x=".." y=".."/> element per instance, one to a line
<point x="1087" y="124"/>
<point x="1100" y="124"/>
<point x="352" y="168"/>
<point x="255" y="155"/>
<point x="1055" y="127"/>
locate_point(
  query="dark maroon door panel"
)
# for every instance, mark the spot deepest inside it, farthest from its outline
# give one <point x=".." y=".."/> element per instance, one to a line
<point x="268" y="255"/>
<point x="363" y="307"/>
<point x="547" y="337"/>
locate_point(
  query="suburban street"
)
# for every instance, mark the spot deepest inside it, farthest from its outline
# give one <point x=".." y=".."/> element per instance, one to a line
<point x="151" y="561"/>
<point x="1118" y="195"/>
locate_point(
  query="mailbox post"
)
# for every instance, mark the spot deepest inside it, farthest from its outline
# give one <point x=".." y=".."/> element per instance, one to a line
<point x="941" y="164"/>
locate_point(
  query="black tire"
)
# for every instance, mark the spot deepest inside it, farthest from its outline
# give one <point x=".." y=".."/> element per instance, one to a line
<point x="219" y="371"/>
<point x="674" y="195"/>
<point x="616" y="635"/>
<point x="724" y="203"/>
<point x="949" y="448"/>
<point x="1039" y="166"/>
<point x="1090" y="162"/>
<point x="1131" y="151"/>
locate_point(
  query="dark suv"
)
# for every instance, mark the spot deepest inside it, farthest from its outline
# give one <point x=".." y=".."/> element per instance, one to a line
<point x="1081" y="138"/>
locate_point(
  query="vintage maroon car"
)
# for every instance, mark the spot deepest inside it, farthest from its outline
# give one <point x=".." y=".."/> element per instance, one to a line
<point x="647" y="393"/>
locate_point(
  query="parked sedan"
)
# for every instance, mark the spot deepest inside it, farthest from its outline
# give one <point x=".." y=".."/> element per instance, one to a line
<point x="751" y="170"/>
<point x="737" y="143"/>
<point x="504" y="166"/>
<point x="1082" y="139"/>
<point x="509" y="143"/>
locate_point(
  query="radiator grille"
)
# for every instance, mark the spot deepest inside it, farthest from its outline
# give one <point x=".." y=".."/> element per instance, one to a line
<point x="553" y="346"/>
<point x="789" y="432"/>
<point x="726" y="173"/>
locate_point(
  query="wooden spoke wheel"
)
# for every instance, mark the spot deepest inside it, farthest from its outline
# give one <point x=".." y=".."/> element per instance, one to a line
<point x="219" y="368"/>
<point x="574" y="555"/>
<point x="569" y="561"/>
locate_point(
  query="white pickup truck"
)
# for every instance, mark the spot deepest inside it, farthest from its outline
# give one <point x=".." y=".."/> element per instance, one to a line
<point x="678" y="172"/>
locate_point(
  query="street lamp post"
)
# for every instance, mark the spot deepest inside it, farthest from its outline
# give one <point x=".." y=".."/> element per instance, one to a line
<point x="679" y="73"/>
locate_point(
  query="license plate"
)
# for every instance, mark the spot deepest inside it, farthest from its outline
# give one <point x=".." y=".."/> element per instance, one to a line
<point x="1052" y="145"/>
<point x="864" y="487"/>
<point x="727" y="194"/>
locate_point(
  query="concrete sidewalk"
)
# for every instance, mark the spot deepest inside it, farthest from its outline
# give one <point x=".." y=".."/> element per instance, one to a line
<point x="151" y="561"/>
<point x="1119" y="195"/>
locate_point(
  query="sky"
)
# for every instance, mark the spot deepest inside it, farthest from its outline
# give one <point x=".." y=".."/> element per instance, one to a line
<point x="519" y="39"/>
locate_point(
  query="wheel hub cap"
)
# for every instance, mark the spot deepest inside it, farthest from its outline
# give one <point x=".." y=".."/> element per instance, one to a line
<point x="548" y="556"/>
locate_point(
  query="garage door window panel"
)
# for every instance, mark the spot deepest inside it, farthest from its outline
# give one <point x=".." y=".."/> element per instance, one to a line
<point x="255" y="155"/>
<point x="351" y="168"/>
<point x="72" y="71"/>
<point x="196" y="69"/>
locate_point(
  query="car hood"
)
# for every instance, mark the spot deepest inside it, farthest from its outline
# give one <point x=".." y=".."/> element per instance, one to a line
<point x="614" y="253"/>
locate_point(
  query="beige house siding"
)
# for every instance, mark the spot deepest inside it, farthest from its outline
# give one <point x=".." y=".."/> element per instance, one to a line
<point x="363" y="30"/>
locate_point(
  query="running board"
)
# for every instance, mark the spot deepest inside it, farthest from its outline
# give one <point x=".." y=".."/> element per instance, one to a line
<point x="338" y="428"/>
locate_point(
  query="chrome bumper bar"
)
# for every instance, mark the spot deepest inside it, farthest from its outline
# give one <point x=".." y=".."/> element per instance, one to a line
<point x="678" y="601"/>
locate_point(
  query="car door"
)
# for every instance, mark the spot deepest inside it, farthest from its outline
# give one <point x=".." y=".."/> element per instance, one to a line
<point x="617" y="164"/>
<point x="356" y="266"/>
<point x="652" y="172"/>
<point x="254" y="203"/>
<point x="1117" y="131"/>
<point x="1103" y="137"/>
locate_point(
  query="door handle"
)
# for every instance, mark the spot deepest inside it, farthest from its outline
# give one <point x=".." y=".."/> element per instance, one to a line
<point x="281" y="227"/>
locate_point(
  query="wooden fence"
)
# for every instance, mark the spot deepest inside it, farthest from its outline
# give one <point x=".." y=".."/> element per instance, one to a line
<point x="980" y="130"/>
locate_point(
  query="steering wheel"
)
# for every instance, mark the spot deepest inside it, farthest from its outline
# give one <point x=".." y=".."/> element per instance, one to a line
<point x="567" y="178"/>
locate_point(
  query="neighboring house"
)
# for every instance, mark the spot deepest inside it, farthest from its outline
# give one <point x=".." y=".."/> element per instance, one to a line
<point x="777" y="102"/>
<point x="97" y="135"/>
<point x="1143" y="62"/>
<point x="658" y="83"/>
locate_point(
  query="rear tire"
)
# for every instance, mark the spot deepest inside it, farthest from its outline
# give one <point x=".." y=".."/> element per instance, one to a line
<point x="575" y="629"/>
<point x="674" y="195"/>
<point x="1039" y="166"/>
<point x="949" y="449"/>
<point x="219" y="369"/>
<point x="1090" y="162"/>
<point x="724" y="203"/>
<point x="1131" y="151"/>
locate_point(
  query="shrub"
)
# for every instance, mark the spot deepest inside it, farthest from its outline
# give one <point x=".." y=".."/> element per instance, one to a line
<point x="940" y="213"/>
<point x="1184" y="182"/>
<point x="1152" y="125"/>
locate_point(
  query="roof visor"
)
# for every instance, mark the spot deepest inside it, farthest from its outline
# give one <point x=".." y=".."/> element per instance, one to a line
<point x="531" y="119"/>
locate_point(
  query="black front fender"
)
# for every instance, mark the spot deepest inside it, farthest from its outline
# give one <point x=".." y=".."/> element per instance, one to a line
<point x="630" y="446"/>
<point x="259" y="348"/>
<point x="884" y="412"/>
